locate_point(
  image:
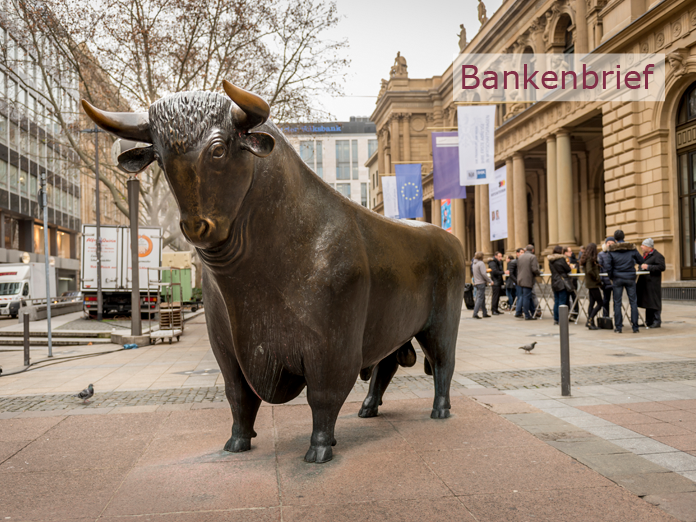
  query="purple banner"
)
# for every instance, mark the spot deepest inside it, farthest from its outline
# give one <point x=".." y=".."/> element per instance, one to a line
<point x="446" y="166"/>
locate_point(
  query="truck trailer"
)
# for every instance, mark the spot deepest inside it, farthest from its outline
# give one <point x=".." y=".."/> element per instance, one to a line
<point x="117" y="270"/>
<point x="22" y="281"/>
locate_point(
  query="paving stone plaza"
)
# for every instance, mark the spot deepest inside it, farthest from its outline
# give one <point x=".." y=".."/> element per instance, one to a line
<point x="621" y="447"/>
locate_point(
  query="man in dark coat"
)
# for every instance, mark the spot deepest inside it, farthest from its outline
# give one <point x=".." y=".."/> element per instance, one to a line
<point x="511" y="281"/>
<point x="622" y="260"/>
<point x="603" y="259"/>
<point x="650" y="285"/>
<point x="527" y="271"/>
<point x="496" y="267"/>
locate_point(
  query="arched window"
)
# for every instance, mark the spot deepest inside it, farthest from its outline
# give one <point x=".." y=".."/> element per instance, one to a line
<point x="686" y="159"/>
<point x="528" y="60"/>
<point x="687" y="106"/>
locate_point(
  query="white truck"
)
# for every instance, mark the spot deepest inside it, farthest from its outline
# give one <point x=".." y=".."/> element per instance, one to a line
<point x="116" y="271"/>
<point x="22" y="281"/>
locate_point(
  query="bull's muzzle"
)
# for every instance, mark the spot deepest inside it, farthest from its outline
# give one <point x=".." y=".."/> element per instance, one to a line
<point x="199" y="231"/>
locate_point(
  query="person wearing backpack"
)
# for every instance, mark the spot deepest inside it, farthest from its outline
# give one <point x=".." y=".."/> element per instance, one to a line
<point x="560" y="282"/>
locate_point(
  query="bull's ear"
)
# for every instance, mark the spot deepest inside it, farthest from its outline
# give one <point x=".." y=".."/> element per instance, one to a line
<point x="137" y="159"/>
<point x="258" y="143"/>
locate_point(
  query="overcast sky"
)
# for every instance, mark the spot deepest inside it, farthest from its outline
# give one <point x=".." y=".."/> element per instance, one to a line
<point x="426" y="33"/>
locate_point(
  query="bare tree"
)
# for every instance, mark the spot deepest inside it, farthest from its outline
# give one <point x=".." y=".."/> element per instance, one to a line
<point x="126" y="54"/>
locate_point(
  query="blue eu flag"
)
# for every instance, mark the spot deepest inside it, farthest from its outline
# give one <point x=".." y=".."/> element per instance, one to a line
<point x="409" y="190"/>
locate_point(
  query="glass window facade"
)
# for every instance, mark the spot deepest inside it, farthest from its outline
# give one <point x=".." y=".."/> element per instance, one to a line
<point x="371" y="147"/>
<point x="344" y="188"/>
<point x="307" y="153"/>
<point x="342" y="159"/>
<point x="354" y="159"/>
<point x="319" y="152"/>
<point x="363" y="194"/>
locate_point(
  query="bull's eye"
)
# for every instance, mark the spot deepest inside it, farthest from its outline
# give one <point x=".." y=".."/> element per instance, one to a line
<point x="218" y="150"/>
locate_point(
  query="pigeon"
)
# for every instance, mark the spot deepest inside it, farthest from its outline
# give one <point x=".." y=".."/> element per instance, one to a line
<point x="85" y="394"/>
<point x="528" y="347"/>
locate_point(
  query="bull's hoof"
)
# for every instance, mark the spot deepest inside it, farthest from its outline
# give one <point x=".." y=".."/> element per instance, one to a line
<point x="442" y="413"/>
<point x="319" y="454"/>
<point x="441" y="408"/>
<point x="366" y="412"/>
<point x="237" y="445"/>
<point x="369" y="407"/>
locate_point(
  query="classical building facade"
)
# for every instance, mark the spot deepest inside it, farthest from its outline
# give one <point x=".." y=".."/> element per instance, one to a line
<point x="577" y="171"/>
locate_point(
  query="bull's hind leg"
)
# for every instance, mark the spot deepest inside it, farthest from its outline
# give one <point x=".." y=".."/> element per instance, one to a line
<point x="381" y="377"/>
<point x="439" y="345"/>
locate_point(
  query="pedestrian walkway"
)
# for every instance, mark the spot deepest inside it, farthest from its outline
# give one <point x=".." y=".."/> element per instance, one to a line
<point x="513" y="450"/>
<point x="169" y="466"/>
<point x="487" y="353"/>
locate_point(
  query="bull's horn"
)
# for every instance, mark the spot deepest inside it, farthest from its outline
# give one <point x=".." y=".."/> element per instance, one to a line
<point x="255" y="108"/>
<point x="127" y="125"/>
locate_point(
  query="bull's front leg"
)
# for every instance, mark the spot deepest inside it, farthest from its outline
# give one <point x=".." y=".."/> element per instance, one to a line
<point x="327" y="391"/>
<point x="244" y="404"/>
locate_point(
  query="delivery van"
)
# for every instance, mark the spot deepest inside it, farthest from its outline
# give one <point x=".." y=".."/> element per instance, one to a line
<point x="22" y="281"/>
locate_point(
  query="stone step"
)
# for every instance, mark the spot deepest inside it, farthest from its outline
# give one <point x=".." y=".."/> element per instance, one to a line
<point x="59" y="333"/>
<point x="56" y="341"/>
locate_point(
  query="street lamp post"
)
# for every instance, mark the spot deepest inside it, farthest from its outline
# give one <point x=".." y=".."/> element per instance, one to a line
<point x="43" y="202"/>
<point x="133" y="184"/>
<point x="100" y="297"/>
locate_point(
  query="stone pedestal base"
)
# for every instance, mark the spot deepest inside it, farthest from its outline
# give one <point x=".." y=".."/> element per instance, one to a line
<point x="140" y="340"/>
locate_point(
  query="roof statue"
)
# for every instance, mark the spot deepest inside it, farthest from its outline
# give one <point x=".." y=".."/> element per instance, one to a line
<point x="462" y="38"/>
<point x="483" y="18"/>
<point x="399" y="68"/>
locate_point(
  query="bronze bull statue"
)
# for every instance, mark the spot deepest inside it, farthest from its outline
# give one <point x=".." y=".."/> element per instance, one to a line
<point x="302" y="286"/>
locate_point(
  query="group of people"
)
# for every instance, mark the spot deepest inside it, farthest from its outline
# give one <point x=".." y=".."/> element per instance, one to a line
<point x="607" y="272"/>
<point x="521" y="272"/>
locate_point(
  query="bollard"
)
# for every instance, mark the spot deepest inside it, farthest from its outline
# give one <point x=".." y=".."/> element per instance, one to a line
<point x="25" y="317"/>
<point x="565" y="350"/>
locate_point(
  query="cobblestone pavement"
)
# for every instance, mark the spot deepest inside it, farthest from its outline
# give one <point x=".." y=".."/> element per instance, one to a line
<point x="502" y="380"/>
<point x="588" y="375"/>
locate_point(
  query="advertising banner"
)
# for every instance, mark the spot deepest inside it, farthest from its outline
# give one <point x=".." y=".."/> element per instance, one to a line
<point x="476" y="144"/>
<point x="391" y="203"/>
<point x="446" y="214"/>
<point x="497" y="204"/>
<point x="446" y="166"/>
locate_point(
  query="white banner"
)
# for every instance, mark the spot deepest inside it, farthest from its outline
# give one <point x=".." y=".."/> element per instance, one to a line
<point x="497" y="204"/>
<point x="476" y="144"/>
<point x="391" y="201"/>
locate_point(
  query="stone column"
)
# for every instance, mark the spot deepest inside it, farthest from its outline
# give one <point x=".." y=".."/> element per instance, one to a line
<point x="581" y="41"/>
<point x="406" y="126"/>
<point x="394" y="143"/>
<point x="552" y="190"/>
<point x="511" y="245"/>
<point x="485" y="221"/>
<point x="564" y="173"/>
<point x="382" y="164"/>
<point x="458" y="220"/>
<point x="520" y="187"/>
<point x="436" y="212"/>
<point x="583" y="234"/>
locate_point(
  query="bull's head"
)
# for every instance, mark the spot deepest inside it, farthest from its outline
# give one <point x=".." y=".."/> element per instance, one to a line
<point x="202" y="142"/>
